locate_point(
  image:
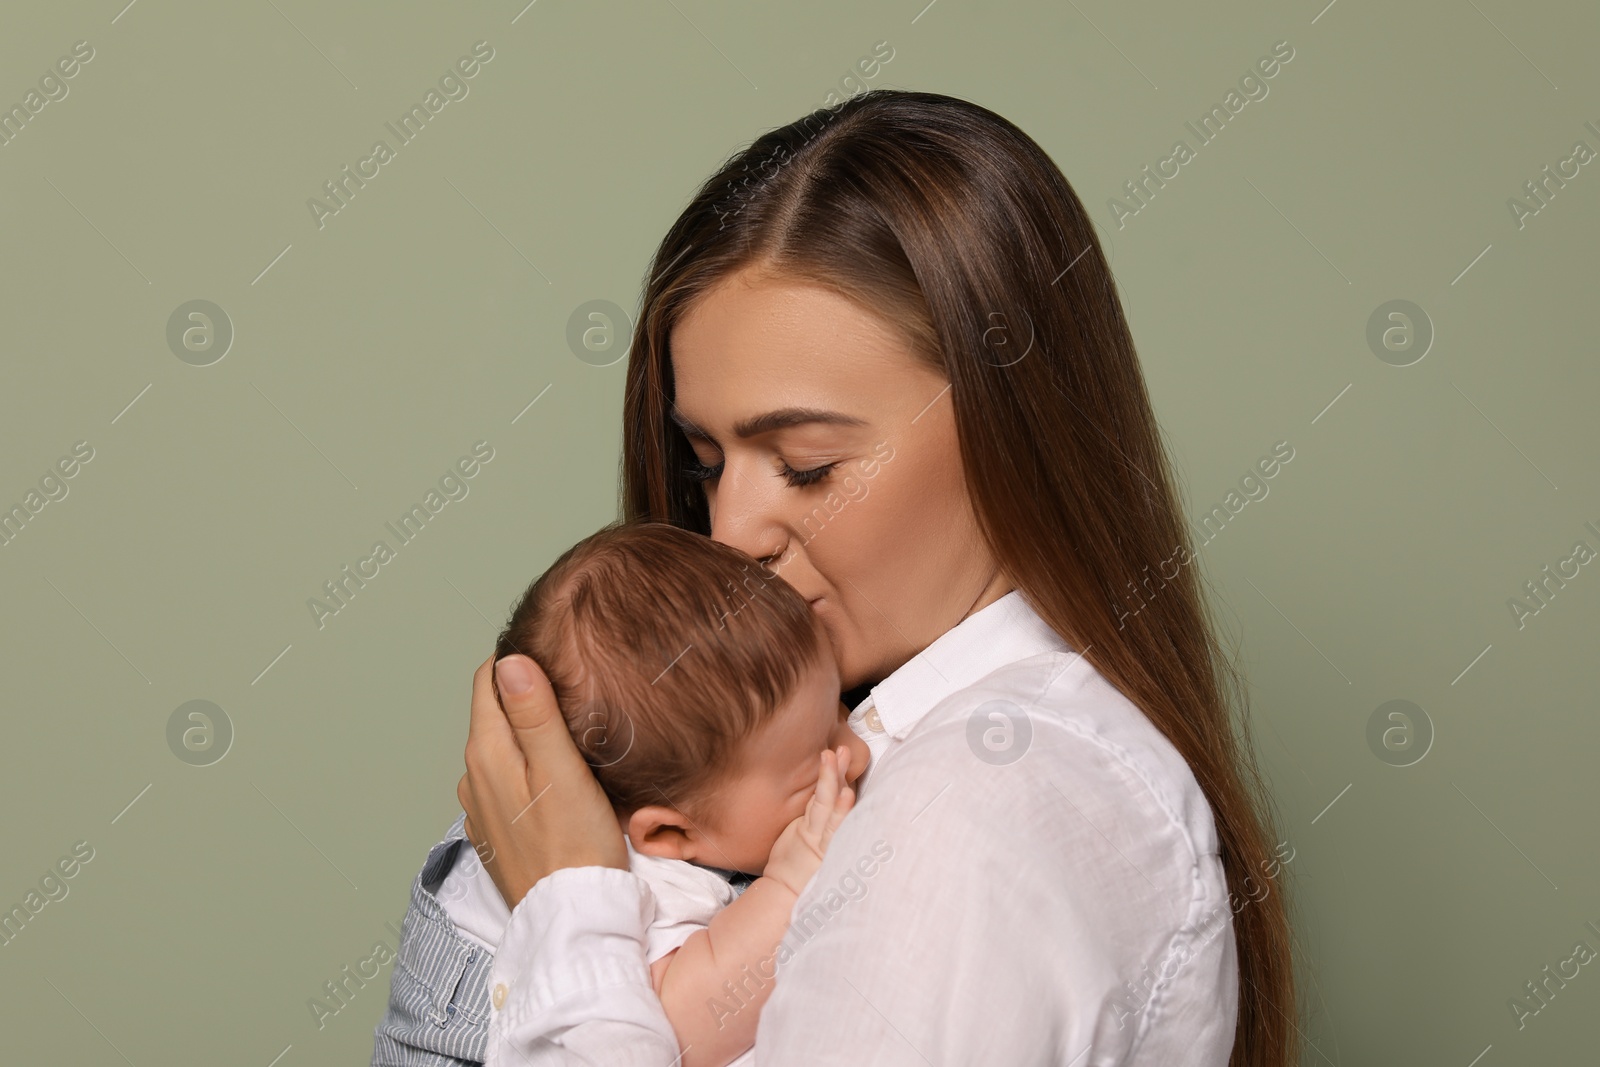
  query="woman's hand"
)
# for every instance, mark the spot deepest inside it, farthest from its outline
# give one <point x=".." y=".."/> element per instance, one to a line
<point x="533" y="805"/>
<point x="799" y="849"/>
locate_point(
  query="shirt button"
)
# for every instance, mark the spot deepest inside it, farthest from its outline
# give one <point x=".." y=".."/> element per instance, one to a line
<point x="498" y="998"/>
<point x="874" y="723"/>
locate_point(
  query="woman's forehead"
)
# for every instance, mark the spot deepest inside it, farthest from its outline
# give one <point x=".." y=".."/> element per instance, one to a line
<point x="746" y="351"/>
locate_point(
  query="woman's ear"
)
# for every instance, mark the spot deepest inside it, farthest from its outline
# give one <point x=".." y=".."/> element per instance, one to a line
<point x="656" y="830"/>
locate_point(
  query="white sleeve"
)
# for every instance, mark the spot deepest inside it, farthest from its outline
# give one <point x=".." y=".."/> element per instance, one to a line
<point x="570" y="985"/>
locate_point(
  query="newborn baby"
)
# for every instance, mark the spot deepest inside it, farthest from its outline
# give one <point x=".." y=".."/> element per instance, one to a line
<point x="704" y="694"/>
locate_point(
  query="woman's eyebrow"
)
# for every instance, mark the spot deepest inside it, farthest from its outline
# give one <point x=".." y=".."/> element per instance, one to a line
<point x="780" y="419"/>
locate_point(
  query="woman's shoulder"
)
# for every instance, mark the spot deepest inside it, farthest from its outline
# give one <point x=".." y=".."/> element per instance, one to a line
<point x="1051" y="726"/>
<point x="1029" y="818"/>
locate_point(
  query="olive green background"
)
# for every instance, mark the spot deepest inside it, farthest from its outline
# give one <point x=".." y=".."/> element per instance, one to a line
<point x="371" y="354"/>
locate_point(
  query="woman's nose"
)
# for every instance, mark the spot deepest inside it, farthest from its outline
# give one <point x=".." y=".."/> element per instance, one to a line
<point x="741" y="516"/>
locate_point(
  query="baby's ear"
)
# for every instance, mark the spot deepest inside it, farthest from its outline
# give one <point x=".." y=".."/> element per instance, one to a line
<point x="656" y="830"/>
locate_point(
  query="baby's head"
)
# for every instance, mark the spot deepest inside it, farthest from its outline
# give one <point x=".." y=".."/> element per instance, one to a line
<point x="701" y="689"/>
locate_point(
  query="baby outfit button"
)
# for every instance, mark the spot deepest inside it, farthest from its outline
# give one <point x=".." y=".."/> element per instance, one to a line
<point x="498" y="998"/>
<point x="874" y="723"/>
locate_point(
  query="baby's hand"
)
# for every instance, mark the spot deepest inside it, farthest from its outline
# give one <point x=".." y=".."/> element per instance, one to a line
<point x="798" y="851"/>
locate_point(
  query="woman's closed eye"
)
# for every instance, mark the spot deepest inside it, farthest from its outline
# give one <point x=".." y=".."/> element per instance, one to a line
<point x="701" y="473"/>
<point x="797" y="479"/>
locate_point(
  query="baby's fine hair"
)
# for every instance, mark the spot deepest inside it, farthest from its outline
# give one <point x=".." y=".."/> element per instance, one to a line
<point x="665" y="650"/>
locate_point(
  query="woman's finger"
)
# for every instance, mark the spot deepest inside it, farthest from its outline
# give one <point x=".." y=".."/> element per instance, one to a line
<point x="526" y="694"/>
<point x="488" y="731"/>
<point x="543" y="738"/>
<point x="494" y="789"/>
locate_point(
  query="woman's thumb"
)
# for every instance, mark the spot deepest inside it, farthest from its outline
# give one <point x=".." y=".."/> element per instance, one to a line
<point x="538" y="727"/>
<point x="515" y="675"/>
<point x="525" y="692"/>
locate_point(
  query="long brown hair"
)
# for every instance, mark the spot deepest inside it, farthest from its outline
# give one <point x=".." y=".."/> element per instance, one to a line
<point x="950" y="222"/>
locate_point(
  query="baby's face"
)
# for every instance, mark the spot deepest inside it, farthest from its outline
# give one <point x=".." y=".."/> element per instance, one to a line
<point x="777" y="772"/>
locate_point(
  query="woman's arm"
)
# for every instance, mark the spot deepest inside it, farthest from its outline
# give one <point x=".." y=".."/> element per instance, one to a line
<point x="569" y="983"/>
<point x="573" y="987"/>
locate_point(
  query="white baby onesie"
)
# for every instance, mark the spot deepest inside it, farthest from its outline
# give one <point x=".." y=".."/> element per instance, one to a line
<point x="686" y="897"/>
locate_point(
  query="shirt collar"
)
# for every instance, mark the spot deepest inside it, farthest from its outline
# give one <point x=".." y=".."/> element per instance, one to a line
<point x="991" y="637"/>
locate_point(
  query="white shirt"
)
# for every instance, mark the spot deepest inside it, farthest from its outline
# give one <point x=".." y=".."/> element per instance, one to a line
<point x="1030" y="876"/>
<point x="686" y="897"/>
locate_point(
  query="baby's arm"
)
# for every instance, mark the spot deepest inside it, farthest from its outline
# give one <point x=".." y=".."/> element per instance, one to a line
<point x="740" y="944"/>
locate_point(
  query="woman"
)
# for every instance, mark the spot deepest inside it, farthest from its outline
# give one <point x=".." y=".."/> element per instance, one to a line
<point x="881" y="352"/>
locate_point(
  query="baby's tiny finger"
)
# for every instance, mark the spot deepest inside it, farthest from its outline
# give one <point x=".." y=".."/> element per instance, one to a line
<point x="842" y="808"/>
<point x="829" y="782"/>
<point x="822" y="800"/>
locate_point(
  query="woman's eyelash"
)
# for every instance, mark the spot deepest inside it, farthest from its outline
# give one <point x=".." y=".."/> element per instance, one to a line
<point x="699" y="472"/>
<point x="796" y="479"/>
